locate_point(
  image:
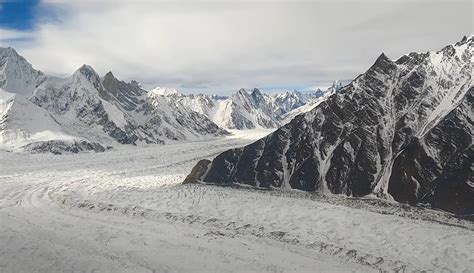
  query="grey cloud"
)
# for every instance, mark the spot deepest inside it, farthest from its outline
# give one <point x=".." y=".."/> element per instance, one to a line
<point x="226" y="45"/>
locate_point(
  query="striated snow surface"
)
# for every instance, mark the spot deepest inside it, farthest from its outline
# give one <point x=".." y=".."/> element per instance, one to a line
<point x="125" y="211"/>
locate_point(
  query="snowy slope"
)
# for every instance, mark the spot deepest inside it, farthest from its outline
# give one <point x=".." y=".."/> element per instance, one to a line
<point x="359" y="141"/>
<point x="22" y="123"/>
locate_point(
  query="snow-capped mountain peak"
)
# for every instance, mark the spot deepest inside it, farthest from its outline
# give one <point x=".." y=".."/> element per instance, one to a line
<point x="16" y="74"/>
<point x="88" y="73"/>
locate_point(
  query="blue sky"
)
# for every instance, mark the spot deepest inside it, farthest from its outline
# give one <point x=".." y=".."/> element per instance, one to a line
<point x="19" y="15"/>
<point x="219" y="47"/>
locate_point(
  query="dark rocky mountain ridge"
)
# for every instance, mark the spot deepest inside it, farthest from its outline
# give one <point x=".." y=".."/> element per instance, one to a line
<point x="401" y="130"/>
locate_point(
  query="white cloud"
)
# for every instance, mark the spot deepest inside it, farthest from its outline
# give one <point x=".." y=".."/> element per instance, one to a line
<point x="8" y="34"/>
<point x="227" y="45"/>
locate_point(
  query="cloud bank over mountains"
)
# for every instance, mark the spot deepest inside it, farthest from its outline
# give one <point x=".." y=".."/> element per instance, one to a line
<point x="221" y="46"/>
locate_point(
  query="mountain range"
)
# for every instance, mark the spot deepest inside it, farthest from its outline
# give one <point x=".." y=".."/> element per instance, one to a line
<point x="84" y="112"/>
<point x="402" y="131"/>
<point x="249" y="109"/>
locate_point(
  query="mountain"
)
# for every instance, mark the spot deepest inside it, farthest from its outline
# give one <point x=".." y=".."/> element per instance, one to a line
<point x="311" y="103"/>
<point x="23" y="124"/>
<point x="84" y="112"/>
<point x="155" y="117"/>
<point x="242" y="110"/>
<point x="163" y="91"/>
<point x="26" y="126"/>
<point x="287" y="101"/>
<point x="401" y="130"/>
<point x="16" y="74"/>
<point x="245" y="109"/>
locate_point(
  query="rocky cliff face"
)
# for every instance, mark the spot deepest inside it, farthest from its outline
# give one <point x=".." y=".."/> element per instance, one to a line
<point x="403" y="129"/>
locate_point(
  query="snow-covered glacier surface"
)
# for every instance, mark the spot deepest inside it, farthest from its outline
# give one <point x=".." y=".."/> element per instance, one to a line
<point x="125" y="211"/>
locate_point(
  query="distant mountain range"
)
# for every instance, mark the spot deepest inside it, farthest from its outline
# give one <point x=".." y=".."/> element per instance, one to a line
<point x="84" y="112"/>
<point x="401" y="130"/>
<point x="250" y="109"/>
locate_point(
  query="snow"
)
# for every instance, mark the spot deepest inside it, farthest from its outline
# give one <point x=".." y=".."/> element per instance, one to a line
<point x="16" y="74"/>
<point x="310" y="105"/>
<point x="114" y="114"/>
<point x="22" y="122"/>
<point x="454" y="95"/>
<point x="125" y="211"/>
<point x="164" y="91"/>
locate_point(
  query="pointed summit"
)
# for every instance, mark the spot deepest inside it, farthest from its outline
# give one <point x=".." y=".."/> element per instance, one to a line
<point x="256" y="91"/>
<point x="383" y="58"/>
<point x="86" y="69"/>
<point x="383" y="64"/>
<point x="16" y="74"/>
<point x="109" y="75"/>
<point x="87" y="72"/>
<point x="7" y="52"/>
<point x="258" y="97"/>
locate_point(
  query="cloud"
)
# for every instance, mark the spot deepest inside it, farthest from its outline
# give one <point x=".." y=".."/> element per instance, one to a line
<point x="226" y="45"/>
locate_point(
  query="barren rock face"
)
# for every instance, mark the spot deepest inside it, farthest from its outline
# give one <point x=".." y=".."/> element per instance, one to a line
<point x="197" y="172"/>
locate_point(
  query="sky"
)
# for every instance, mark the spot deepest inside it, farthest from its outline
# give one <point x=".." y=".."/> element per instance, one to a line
<point x="222" y="46"/>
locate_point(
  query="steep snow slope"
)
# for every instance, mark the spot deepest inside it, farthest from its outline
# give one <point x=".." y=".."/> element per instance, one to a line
<point x="22" y="123"/>
<point x="352" y="142"/>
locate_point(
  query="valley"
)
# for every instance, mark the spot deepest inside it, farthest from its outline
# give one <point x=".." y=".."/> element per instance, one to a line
<point x="124" y="210"/>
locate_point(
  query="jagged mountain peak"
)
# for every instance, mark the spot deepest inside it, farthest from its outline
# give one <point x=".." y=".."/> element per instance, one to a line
<point x="128" y="95"/>
<point x="109" y="77"/>
<point x="383" y="61"/>
<point x="465" y="39"/>
<point x="256" y="91"/>
<point x="257" y="95"/>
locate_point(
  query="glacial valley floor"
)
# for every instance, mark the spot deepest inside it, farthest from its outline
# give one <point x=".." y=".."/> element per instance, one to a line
<point x="125" y="211"/>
